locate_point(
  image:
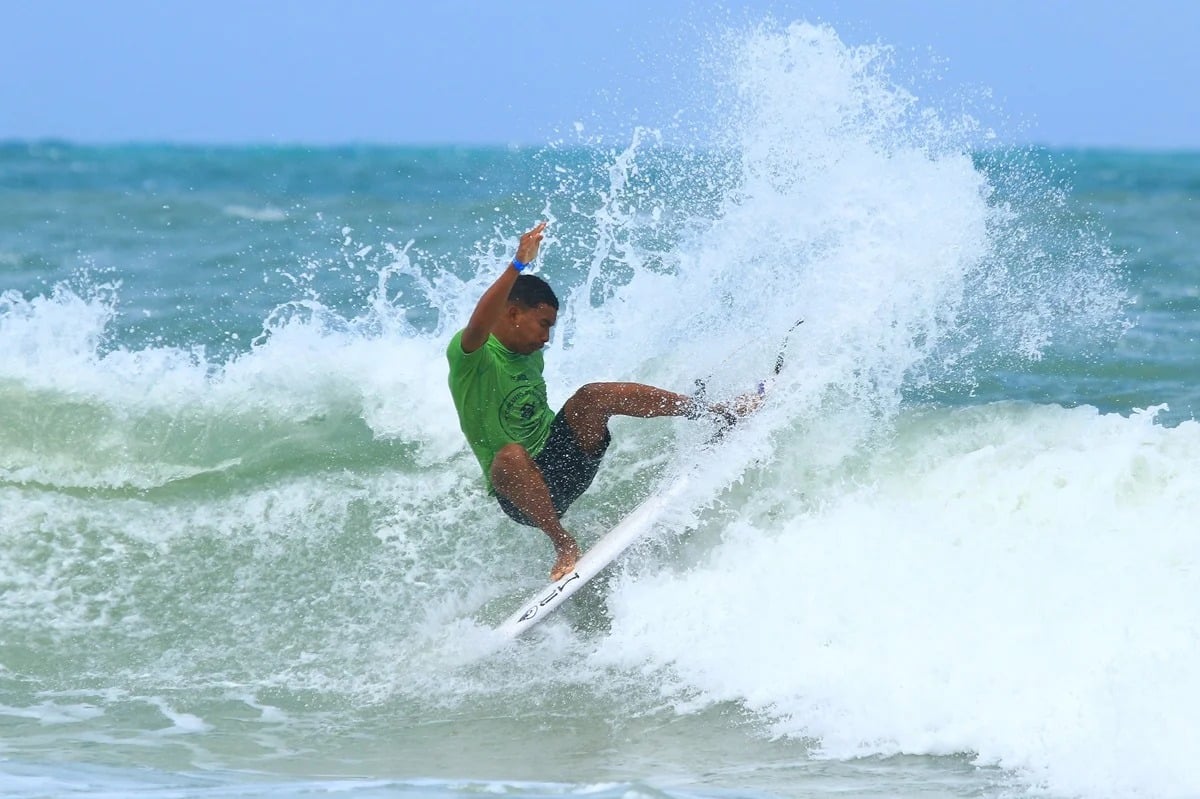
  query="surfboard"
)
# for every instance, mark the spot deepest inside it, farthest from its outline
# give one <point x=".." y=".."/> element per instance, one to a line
<point x="639" y="521"/>
<point x="602" y="553"/>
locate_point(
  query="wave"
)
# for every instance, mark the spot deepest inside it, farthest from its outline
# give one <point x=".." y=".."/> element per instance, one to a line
<point x="862" y="568"/>
<point x="1011" y="581"/>
<point x="1008" y="580"/>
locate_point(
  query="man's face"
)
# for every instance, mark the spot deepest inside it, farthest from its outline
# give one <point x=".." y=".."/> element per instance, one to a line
<point x="531" y="327"/>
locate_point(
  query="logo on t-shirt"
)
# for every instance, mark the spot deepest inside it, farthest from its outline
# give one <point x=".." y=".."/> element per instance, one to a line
<point x="520" y="408"/>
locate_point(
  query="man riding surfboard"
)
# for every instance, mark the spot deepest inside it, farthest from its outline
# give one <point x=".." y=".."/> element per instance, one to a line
<point x="537" y="462"/>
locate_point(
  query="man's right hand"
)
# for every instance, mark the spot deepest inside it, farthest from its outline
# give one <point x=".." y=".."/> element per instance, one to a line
<point x="531" y="242"/>
<point x="491" y="305"/>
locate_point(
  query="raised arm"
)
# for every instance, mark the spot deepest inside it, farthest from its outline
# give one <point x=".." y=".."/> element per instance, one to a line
<point x="492" y="304"/>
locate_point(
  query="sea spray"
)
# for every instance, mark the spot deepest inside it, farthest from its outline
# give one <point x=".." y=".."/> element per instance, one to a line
<point x="892" y="579"/>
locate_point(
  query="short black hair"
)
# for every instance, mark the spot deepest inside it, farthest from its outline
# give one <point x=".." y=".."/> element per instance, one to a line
<point x="531" y="291"/>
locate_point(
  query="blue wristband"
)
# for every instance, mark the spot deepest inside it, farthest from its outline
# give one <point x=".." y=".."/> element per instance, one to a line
<point x="520" y="267"/>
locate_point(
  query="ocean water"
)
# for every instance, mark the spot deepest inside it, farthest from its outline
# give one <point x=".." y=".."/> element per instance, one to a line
<point x="245" y="552"/>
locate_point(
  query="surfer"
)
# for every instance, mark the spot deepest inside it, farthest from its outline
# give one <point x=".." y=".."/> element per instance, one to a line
<point x="536" y="462"/>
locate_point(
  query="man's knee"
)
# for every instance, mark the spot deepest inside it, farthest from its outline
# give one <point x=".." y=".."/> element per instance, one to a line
<point x="589" y="396"/>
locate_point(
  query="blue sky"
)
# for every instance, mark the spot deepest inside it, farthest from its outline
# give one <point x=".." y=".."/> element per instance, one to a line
<point x="1062" y="73"/>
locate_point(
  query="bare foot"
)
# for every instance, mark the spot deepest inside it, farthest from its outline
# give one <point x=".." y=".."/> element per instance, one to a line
<point x="567" y="557"/>
<point x="746" y="404"/>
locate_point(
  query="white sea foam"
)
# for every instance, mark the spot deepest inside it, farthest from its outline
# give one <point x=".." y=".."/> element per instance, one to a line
<point x="49" y="712"/>
<point x="1010" y="581"/>
<point x="1013" y="581"/>
<point x="181" y="723"/>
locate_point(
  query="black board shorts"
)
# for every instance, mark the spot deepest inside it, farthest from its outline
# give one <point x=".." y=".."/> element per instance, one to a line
<point x="567" y="469"/>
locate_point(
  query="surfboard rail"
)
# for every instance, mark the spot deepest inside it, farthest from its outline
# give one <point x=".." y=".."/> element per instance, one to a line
<point x="607" y="549"/>
<point x="618" y="539"/>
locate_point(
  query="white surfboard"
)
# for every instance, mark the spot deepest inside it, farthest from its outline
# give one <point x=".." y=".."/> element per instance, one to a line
<point x="639" y="521"/>
<point x="616" y="541"/>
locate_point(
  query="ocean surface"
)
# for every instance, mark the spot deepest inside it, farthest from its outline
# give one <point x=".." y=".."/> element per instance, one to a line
<point x="245" y="552"/>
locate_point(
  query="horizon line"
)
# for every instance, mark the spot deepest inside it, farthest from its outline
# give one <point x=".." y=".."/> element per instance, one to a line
<point x="380" y="144"/>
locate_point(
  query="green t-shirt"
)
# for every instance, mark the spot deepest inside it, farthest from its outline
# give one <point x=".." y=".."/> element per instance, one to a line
<point x="500" y="397"/>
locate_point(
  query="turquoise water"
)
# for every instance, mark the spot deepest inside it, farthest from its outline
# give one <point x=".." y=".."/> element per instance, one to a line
<point x="245" y="551"/>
